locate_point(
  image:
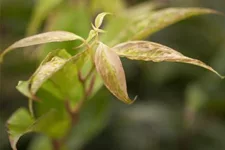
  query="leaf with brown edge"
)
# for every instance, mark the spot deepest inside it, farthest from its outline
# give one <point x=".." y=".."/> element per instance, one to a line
<point x="165" y="17"/>
<point x="150" y="51"/>
<point x="48" y="37"/>
<point x="110" y="68"/>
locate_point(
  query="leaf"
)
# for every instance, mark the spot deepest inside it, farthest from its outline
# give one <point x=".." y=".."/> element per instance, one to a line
<point x="64" y="83"/>
<point x="57" y="78"/>
<point x="99" y="19"/>
<point x="53" y="36"/>
<point x="54" y="123"/>
<point x="150" y="51"/>
<point x="23" y="87"/>
<point x="45" y="72"/>
<point x="142" y="26"/>
<point x="165" y="17"/>
<point x="110" y="68"/>
<point x="40" y="142"/>
<point x="41" y="11"/>
<point x="18" y="124"/>
<point x="50" y="65"/>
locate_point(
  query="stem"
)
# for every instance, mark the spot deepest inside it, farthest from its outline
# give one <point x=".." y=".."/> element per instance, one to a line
<point x="30" y="106"/>
<point x="74" y="113"/>
<point x="56" y="144"/>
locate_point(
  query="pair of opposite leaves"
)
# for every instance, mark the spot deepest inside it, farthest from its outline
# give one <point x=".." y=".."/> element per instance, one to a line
<point x="107" y="59"/>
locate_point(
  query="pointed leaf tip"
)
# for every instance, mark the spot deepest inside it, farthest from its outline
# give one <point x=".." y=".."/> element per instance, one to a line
<point x="110" y="68"/>
<point x="150" y="51"/>
<point x="48" y="37"/>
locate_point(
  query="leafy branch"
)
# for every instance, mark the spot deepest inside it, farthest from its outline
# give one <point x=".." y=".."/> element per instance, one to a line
<point x="73" y="87"/>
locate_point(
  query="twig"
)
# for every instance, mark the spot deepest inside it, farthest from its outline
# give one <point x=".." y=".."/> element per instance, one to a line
<point x="30" y="106"/>
<point x="56" y="144"/>
<point x="74" y="112"/>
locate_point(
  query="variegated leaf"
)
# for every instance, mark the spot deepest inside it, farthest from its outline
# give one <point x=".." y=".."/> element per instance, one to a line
<point x="110" y="68"/>
<point x="146" y="24"/>
<point x="150" y="51"/>
<point x="48" y="37"/>
<point x="165" y="17"/>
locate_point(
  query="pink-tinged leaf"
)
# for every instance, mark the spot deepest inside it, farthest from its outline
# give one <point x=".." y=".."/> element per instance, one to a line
<point x="150" y="51"/>
<point x="48" y="37"/>
<point x="110" y="68"/>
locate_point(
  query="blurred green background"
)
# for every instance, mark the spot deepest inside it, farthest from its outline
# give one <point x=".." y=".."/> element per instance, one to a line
<point x="179" y="106"/>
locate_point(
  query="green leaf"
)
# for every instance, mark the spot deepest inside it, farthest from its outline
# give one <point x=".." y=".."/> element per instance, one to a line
<point x="40" y="142"/>
<point x="65" y="83"/>
<point x="40" y="13"/>
<point x="23" y="87"/>
<point x="58" y="76"/>
<point x="54" y="124"/>
<point x="110" y="68"/>
<point x="50" y="65"/>
<point x="150" y="51"/>
<point x="99" y="19"/>
<point x="48" y="37"/>
<point x="165" y="17"/>
<point x="18" y="124"/>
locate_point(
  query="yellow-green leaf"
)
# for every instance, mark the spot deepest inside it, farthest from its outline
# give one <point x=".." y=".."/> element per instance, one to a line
<point x="18" y="124"/>
<point x="99" y="19"/>
<point x="110" y="68"/>
<point x="54" y="123"/>
<point x="48" y="37"/>
<point x="150" y="51"/>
